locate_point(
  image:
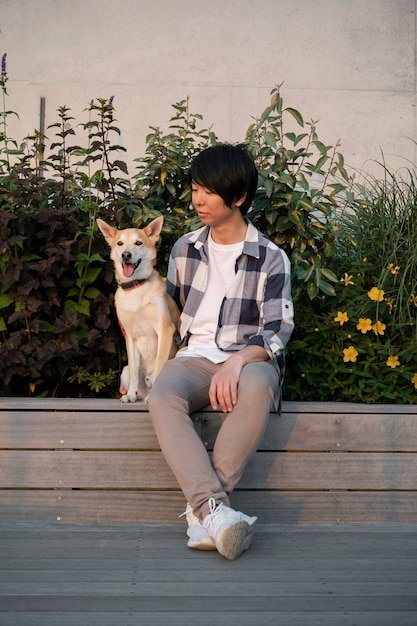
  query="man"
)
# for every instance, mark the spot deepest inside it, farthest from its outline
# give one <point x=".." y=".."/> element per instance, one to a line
<point x="233" y="288"/>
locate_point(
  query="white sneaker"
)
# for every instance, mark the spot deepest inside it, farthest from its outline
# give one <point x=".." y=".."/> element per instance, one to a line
<point x="199" y="538"/>
<point x="231" y="530"/>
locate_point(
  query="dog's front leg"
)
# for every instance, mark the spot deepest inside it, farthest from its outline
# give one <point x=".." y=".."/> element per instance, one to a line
<point x="133" y="362"/>
<point x="165" y="335"/>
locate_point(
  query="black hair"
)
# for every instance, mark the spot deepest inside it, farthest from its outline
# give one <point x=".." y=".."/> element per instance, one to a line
<point x="228" y="171"/>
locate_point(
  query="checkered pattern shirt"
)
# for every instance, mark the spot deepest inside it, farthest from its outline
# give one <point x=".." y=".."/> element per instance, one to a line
<point x="258" y="308"/>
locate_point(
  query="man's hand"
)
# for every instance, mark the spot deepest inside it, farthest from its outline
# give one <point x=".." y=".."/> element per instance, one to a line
<point x="224" y="385"/>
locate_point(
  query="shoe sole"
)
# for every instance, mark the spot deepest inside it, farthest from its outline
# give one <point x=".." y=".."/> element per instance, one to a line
<point x="249" y="536"/>
<point x="204" y="544"/>
<point x="209" y="544"/>
<point x="234" y="540"/>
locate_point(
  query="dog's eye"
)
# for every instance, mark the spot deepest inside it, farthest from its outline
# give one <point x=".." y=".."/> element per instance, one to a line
<point x="120" y="243"/>
<point x="139" y="242"/>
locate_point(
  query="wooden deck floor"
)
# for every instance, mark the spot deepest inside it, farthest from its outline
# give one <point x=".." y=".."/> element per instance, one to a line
<point x="126" y="575"/>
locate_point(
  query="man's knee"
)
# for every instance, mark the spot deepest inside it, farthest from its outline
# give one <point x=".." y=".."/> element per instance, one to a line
<point x="260" y="376"/>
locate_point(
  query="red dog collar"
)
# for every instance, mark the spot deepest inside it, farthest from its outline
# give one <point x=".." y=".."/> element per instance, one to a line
<point x="132" y="284"/>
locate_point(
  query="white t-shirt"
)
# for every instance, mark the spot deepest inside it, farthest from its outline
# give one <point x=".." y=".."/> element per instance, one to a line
<point x="221" y="273"/>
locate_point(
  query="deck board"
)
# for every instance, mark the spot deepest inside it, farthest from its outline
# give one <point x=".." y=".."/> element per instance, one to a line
<point x="156" y="507"/>
<point x="74" y="575"/>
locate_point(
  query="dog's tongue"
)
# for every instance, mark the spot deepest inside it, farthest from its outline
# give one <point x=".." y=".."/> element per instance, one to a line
<point x="128" y="270"/>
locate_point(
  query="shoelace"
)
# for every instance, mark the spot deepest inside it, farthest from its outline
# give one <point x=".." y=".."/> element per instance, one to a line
<point x="187" y="510"/>
<point x="192" y="520"/>
<point x="216" y="514"/>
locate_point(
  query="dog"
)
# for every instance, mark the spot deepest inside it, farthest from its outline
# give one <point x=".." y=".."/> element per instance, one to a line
<point x="147" y="315"/>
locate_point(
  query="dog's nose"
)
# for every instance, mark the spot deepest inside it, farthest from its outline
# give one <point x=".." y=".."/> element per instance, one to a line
<point x="126" y="256"/>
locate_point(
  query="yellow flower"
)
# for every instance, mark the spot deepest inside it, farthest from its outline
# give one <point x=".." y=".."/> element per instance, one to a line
<point x="390" y="303"/>
<point x="376" y="294"/>
<point x="347" y="280"/>
<point x="414" y="380"/>
<point x="379" y="328"/>
<point x="413" y="299"/>
<point x="341" y="317"/>
<point x="393" y="361"/>
<point x="392" y="269"/>
<point x="350" y="354"/>
<point x="364" y="324"/>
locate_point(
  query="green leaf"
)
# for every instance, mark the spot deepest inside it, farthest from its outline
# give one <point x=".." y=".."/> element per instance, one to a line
<point x="97" y="257"/>
<point x="312" y="289"/>
<point x="276" y="101"/>
<point x="283" y="223"/>
<point x="302" y="181"/>
<point x="5" y="301"/>
<point x="291" y="136"/>
<point x="90" y="276"/>
<point x="321" y="147"/>
<point x="270" y="139"/>
<point x="327" y="288"/>
<point x="306" y="203"/>
<point x="296" y="115"/>
<point x="84" y="308"/>
<point x="329" y="274"/>
<point x="286" y="178"/>
<point x="71" y="306"/>
<point x="322" y="160"/>
<point x="92" y="293"/>
<point x="300" y="138"/>
<point x="30" y="257"/>
<point x="270" y="215"/>
<point x="265" y="115"/>
<point x="268" y="187"/>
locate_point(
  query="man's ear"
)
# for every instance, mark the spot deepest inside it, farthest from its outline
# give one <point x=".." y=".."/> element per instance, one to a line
<point x="241" y="200"/>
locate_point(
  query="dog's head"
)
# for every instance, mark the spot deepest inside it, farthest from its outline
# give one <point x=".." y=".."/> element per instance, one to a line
<point x="132" y="249"/>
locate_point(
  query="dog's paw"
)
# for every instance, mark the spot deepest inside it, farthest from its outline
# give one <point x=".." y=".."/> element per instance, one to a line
<point x="128" y="398"/>
<point x="149" y="380"/>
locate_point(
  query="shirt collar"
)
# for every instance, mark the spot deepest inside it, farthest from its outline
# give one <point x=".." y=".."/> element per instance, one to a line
<point x="251" y="246"/>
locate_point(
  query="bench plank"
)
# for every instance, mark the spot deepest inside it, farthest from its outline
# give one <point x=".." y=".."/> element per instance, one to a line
<point x="90" y="430"/>
<point x="108" y="404"/>
<point x="84" y="430"/>
<point x="330" y="432"/>
<point x="147" y="470"/>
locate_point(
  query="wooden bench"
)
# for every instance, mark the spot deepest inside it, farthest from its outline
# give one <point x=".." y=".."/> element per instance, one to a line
<point x="97" y="460"/>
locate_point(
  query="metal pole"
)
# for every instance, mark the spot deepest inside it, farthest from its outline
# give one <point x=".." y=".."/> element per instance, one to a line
<point x="41" y="131"/>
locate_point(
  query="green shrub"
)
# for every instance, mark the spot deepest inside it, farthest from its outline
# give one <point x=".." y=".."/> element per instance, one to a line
<point x="57" y="320"/>
<point x="361" y="346"/>
<point x="348" y="243"/>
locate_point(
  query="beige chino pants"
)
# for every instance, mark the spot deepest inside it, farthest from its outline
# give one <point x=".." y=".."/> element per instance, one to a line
<point x="181" y="388"/>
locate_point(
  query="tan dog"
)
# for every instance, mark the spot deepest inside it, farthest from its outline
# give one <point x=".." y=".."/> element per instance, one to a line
<point x="147" y="314"/>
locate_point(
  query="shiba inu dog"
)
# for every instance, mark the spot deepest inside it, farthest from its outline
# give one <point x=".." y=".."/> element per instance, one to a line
<point x="146" y="313"/>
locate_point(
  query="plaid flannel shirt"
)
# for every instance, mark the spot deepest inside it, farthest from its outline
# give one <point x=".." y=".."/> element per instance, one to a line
<point x="257" y="309"/>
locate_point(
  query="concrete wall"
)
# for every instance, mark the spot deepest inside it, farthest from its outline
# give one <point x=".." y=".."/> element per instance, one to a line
<point x="349" y="63"/>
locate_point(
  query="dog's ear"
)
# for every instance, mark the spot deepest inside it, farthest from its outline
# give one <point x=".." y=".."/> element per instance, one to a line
<point x="108" y="231"/>
<point x="153" y="230"/>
